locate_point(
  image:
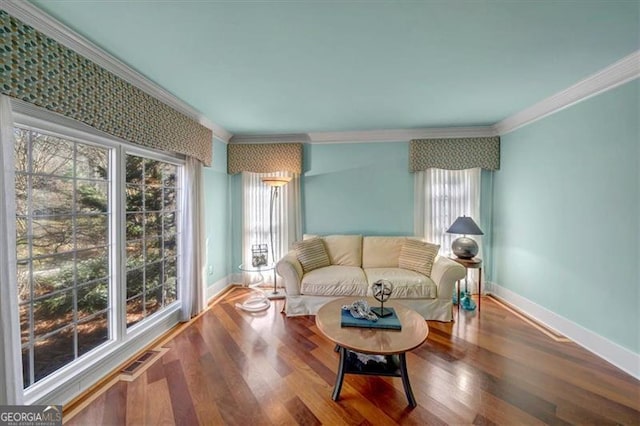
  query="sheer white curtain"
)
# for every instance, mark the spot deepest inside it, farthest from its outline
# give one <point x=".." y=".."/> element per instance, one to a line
<point x="193" y="248"/>
<point x="10" y="359"/>
<point x="440" y="196"/>
<point x="287" y="215"/>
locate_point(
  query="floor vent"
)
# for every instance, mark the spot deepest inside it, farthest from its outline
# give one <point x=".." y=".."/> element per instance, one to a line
<point x="132" y="370"/>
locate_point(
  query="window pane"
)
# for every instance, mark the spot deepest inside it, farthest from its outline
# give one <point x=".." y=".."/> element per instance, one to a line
<point x="134" y="198"/>
<point x="153" y="275"/>
<point x="169" y="175"/>
<point x="135" y="282"/>
<point x="170" y="246"/>
<point x="169" y="199"/>
<point x="92" y="333"/>
<point x="93" y="298"/>
<point x="153" y="249"/>
<point x="135" y="256"/>
<point x="92" y="162"/>
<point x="51" y="155"/>
<point x="22" y="194"/>
<point x="153" y="224"/>
<point x="52" y="234"/>
<point x="52" y="313"/>
<point x="169" y="223"/>
<point x="25" y="323"/>
<point x="153" y="198"/>
<point x="153" y="301"/>
<point x="134" y="172"/>
<point x="22" y="242"/>
<point x="21" y="149"/>
<point x="153" y="172"/>
<point x="92" y="265"/>
<point x="134" y="311"/>
<point x="135" y="226"/>
<point x="170" y="291"/>
<point x="53" y="352"/>
<point x="91" y="231"/>
<point x="52" y="273"/>
<point x="92" y="196"/>
<point x="51" y="195"/>
<point x="24" y="280"/>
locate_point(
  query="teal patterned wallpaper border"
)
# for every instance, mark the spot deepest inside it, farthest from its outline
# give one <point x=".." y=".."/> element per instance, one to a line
<point x="455" y="153"/>
<point x="41" y="71"/>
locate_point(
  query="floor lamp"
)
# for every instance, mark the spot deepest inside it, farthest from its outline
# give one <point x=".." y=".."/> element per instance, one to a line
<point x="275" y="182"/>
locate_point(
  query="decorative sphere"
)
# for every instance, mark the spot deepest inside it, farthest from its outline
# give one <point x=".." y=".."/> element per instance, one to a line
<point x="464" y="248"/>
<point x="382" y="290"/>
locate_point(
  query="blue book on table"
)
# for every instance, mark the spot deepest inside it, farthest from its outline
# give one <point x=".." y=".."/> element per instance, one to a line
<point x="389" y="322"/>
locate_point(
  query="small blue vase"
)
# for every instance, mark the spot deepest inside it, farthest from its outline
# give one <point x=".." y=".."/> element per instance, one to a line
<point x="466" y="302"/>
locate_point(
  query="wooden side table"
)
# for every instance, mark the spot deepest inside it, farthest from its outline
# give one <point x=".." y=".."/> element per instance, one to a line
<point x="473" y="263"/>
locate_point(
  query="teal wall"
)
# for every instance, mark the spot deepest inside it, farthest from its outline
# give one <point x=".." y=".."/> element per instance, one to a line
<point x="216" y="208"/>
<point x="566" y="211"/>
<point x="358" y="188"/>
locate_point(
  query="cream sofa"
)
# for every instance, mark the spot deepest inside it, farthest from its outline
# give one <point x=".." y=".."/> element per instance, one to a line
<point x="356" y="263"/>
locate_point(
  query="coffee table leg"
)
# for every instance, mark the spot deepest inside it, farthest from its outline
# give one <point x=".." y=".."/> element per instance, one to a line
<point x="340" y="377"/>
<point x="405" y="380"/>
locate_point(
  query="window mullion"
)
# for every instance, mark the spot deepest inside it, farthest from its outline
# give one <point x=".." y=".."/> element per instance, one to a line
<point x="118" y="245"/>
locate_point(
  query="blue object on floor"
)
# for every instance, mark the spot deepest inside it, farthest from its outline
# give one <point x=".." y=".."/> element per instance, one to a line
<point x="466" y="302"/>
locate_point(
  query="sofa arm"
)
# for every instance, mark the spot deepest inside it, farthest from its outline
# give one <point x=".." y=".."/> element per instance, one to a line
<point x="445" y="273"/>
<point x="291" y="271"/>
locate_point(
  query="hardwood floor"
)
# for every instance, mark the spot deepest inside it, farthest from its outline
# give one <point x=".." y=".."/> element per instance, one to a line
<point x="231" y="367"/>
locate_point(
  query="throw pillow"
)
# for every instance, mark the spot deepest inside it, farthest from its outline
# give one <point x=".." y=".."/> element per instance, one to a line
<point x="311" y="254"/>
<point x="418" y="256"/>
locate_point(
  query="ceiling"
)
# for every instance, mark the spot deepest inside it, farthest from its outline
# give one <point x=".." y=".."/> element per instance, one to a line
<point x="278" y="67"/>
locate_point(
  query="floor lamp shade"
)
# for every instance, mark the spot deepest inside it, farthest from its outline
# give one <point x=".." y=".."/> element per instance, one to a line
<point x="275" y="182"/>
<point x="464" y="247"/>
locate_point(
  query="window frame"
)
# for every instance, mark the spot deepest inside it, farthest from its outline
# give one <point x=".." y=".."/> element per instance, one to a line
<point x="28" y="116"/>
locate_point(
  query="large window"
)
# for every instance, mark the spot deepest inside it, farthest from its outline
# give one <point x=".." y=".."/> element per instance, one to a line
<point x="62" y="224"/>
<point x="78" y="225"/>
<point x="152" y="238"/>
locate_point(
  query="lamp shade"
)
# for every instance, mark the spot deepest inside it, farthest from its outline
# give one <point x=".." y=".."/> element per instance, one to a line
<point x="276" y="180"/>
<point x="464" y="225"/>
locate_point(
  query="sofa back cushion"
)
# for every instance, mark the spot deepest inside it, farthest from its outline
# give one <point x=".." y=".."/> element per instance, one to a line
<point x="311" y="254"/>
<point x="344" y="250"/>
<point x="381" y="252"/>
<point x="418" y="256"/>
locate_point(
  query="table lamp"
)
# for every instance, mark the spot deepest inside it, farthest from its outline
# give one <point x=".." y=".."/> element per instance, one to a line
<point x="464" y="247"/>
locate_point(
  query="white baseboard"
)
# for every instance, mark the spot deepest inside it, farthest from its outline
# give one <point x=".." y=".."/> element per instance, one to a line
<point x="218" y="287"/>
<point x="621" y="357"/>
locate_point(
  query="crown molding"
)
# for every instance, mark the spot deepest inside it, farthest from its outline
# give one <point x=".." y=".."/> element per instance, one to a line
<point x="46" y="24"/>
<point x="257" y="139"/>
<point x="616" y="74"/>
<point x="366" y="136"/>
<point x="396" y="135"/>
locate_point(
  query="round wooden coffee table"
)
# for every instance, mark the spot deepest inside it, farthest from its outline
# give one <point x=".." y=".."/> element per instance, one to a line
<point x="391" y="344"/>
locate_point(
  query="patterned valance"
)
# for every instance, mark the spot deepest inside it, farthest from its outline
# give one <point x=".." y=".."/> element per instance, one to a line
<point x="264" y="158"/>
<point x="454" y="154"/>
<point x="41" y="71"/>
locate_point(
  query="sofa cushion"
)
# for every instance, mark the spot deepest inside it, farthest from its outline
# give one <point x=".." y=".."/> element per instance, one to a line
<point x="335" y="280"/>
<point x="407" y="284"/>
<point x="345" y="250"/>
<point x="311" y="254"/>
<point x="418" y="256"/>
<point x="381" y="252"/>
